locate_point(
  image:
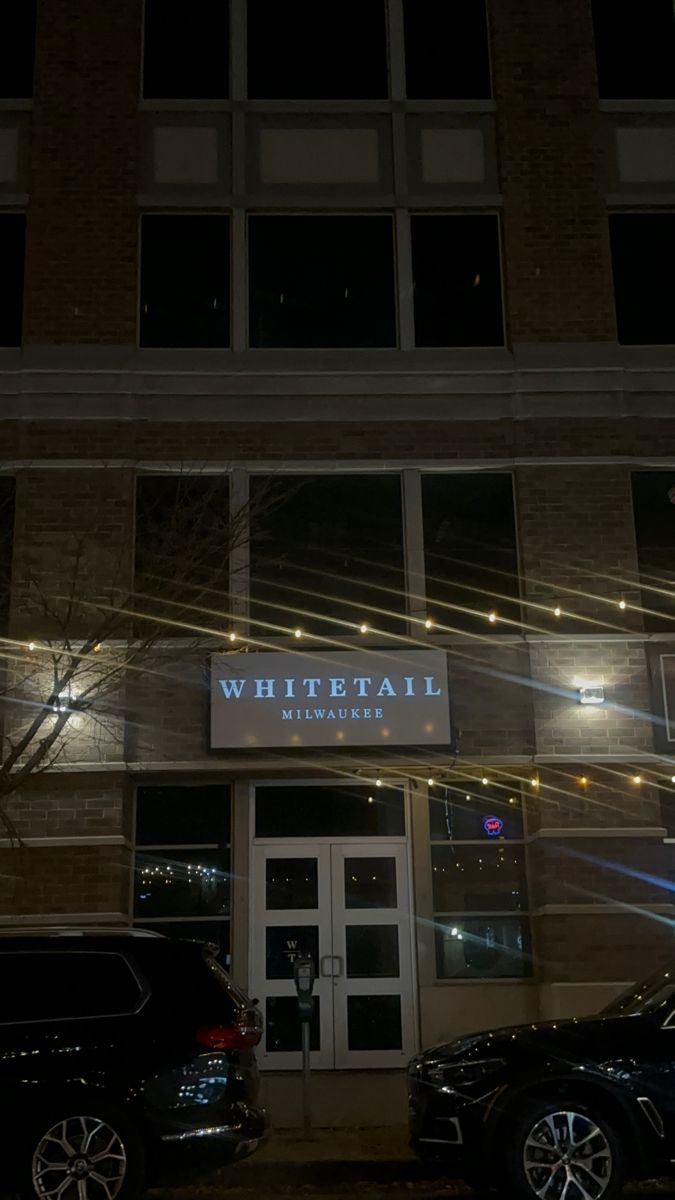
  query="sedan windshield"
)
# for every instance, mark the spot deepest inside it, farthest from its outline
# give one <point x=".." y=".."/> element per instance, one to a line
<point x="653" y="993"/>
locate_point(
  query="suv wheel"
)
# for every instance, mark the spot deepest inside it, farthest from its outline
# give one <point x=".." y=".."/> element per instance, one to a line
<point x="92" y="1155"/>
<point x="564" y="1151"/>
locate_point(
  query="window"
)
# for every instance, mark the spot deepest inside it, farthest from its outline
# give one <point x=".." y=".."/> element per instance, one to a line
<point x="457" y="281"/>
<point x="635" y="49"/>
<point x="184" y="537"/>
<point x="470" y="551"/>
<point x="667" y="797"/>
<point x="98" y="984"/>
<point x="321" y="281"/>
<point x="479" y="884"/>
<point x="329" y="555"/>
<point x="185" y="281"/>
<point x="308" y="51"/>
<point x="182" y="867"/>
<point x="185" y="50"/>
<point x="12" y="250"/>
<point x="7" y="500"/>
<point x="446" y="50"/>
<point x="17" y="51"/>
<point x="654" y="512"/>
<point x="643" y="253"/>
<point x="290" y="812"/>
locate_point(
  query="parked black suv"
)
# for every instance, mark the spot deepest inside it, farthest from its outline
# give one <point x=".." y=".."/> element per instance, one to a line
<point x="561" y="1111"/>
<point x="123" y="1057"/>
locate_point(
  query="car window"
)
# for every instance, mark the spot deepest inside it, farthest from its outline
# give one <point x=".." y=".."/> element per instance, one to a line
<point x="648" y="996"/>
<point x="51" y="986"/>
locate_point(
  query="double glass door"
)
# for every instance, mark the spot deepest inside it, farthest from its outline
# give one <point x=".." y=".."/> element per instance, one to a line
<point x="346" y="905"/>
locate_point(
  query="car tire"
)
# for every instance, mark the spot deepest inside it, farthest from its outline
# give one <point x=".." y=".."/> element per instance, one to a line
<point x="88" y="1143"/>
<point x="567" y="1141"/>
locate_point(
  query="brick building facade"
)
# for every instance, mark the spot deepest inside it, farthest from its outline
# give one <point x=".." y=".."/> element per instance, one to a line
<point x="120" y="371"/>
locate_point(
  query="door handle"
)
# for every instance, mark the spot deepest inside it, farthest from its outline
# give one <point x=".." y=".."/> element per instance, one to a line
<point x="330" y="972"/>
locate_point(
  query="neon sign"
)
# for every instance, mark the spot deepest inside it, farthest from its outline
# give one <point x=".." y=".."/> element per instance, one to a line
<point x="493" y="826"/>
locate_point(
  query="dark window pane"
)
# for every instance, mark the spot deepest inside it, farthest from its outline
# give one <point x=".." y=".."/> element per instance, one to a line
<point x="475" y="813"/>
<point x="173" y="816"/>
<point x="446" y="50"/>
<point x="186" y="53"/>
<point x="285" y="943"/>
<point x="370" y="883"/>
<point x="184" y="538"/>
<point x="305" y="51"/>
<point x="488" y="878"/>
<point x="635" y="49"/>
<point x="185" y="281"/>
<point x="7" y="501"/>
<point x="17" y="51"/>
<point x="457" y="281"/>
<point x="12" y="248"/>
<point x="667" y="796"/>
<point x="470" y="551"/>
<point x="282" y="1024"/>
<point x="321" y="281"/>
<point x="374" y="1023"/>
<point x="34" y="986"/>
<point x="175" y="884"/>
<point x="483" y="948"/>
<point x="330" y="554"/>
<point x="215" y="932"/>
<point x="372" y="952"/>
<point x="292" y="883"/>
<point x="654" y="511"/>
<point x="643" y="251"/>
<point x="329" y="812"/>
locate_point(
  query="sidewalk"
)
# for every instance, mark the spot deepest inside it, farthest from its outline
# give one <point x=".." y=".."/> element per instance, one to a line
<point x="332" y="1162"/>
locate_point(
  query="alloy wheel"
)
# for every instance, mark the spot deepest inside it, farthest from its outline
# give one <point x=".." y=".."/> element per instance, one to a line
<point x="567" y="1157"/>
<point x="80" y="1158"/>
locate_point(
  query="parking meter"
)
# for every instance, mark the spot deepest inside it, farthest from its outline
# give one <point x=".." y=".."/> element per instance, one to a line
<point x="304" y="974"/>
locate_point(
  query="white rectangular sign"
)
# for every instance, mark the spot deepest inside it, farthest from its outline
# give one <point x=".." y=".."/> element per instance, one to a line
<point x="330" y="698"/>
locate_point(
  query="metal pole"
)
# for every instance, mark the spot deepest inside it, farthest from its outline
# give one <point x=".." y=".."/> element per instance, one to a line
<point x="306" y="1114"/>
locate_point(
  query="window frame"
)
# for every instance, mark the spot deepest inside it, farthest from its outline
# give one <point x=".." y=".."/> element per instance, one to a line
<point x="143" y="987"/>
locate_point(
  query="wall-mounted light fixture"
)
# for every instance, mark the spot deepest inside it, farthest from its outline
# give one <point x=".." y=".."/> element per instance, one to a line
<point x="592" y="693"/>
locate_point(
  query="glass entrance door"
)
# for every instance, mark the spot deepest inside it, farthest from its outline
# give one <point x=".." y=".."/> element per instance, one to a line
<point x="348" y="906"/>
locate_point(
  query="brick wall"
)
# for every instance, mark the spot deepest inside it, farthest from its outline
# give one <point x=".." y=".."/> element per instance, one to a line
<point x="550" y="141"/>
<point x="65" y="806"/>
<point x="75" y="879"/>
<point x="597" y="947"/>
<point x="82" y="221"/>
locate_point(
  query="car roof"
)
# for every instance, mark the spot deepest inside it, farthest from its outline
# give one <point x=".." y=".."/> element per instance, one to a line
<point x="72" y="931"/>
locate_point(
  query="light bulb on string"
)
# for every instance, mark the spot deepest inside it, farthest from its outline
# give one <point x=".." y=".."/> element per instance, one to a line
<point x="637" y="780"/>
<point x="534" y="781"/>
<point x="297" y="633"/>
<point x="378" y="782"/>
<point x="485" y="781"/>
<point x="428" y="624"/>
<point x="232" y="636"/>
<point x="557" y="611"/>
<point x="622" y="603"/>
<point x="363" y="628"/>
<point x="431" y="781"/>
<point x="492" y="617"/>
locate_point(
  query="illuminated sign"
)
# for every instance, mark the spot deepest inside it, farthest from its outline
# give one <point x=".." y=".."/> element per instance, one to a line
<point x="331" y="698"/>
<point x="493" y="826"/>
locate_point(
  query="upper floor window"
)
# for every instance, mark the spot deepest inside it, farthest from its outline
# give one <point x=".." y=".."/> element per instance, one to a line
<point x="185" y="280"/>
<point x="312" y="51"/>
<point x="635" y="49"/>
<point x="457" y="280"/>
<point x="184" y="537"/>
<point x="471" y="559"/>
<point x="643" y="249"/>
<point x="654" y="511"/>
<point x="321" y="281"/>
<point x="17" y="50"/>
<point x="329" y="555"/>
<point x="12" y="250"/>
<point x="186" y="50"/>
<point x="446" y="50"/>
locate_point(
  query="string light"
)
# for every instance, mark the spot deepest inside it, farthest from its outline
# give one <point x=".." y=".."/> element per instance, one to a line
<point x="31" y="645"/>
<point x="512" y="799"/>
<point x="232" y="637"/>
<point x="485" y="781"/>
<point x="534" y="781"/>
<point x="672" y="779"/>
<point x="557" y="611"/>
<point x="363" y="628"/>
<point x="622" y="603"/>
<point x="583" y="781"/>
<point x="431" y="781"/>
<point x="492" y="617"/>
<point x="97" y="648"/>
<point x="428" y="624"/>
<point x="637" y="779"/>
<point x="297" y="633"/>
<point x="371" y="800"/>
<point x="378" y="782"/>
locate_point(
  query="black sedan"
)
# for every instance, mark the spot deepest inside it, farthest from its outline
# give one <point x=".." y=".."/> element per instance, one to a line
<point x="122" y="1059"/>
<point x="566" y="1110"/>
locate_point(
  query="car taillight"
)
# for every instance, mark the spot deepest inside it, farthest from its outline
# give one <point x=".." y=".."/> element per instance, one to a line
<point x="240" y="1035"/>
